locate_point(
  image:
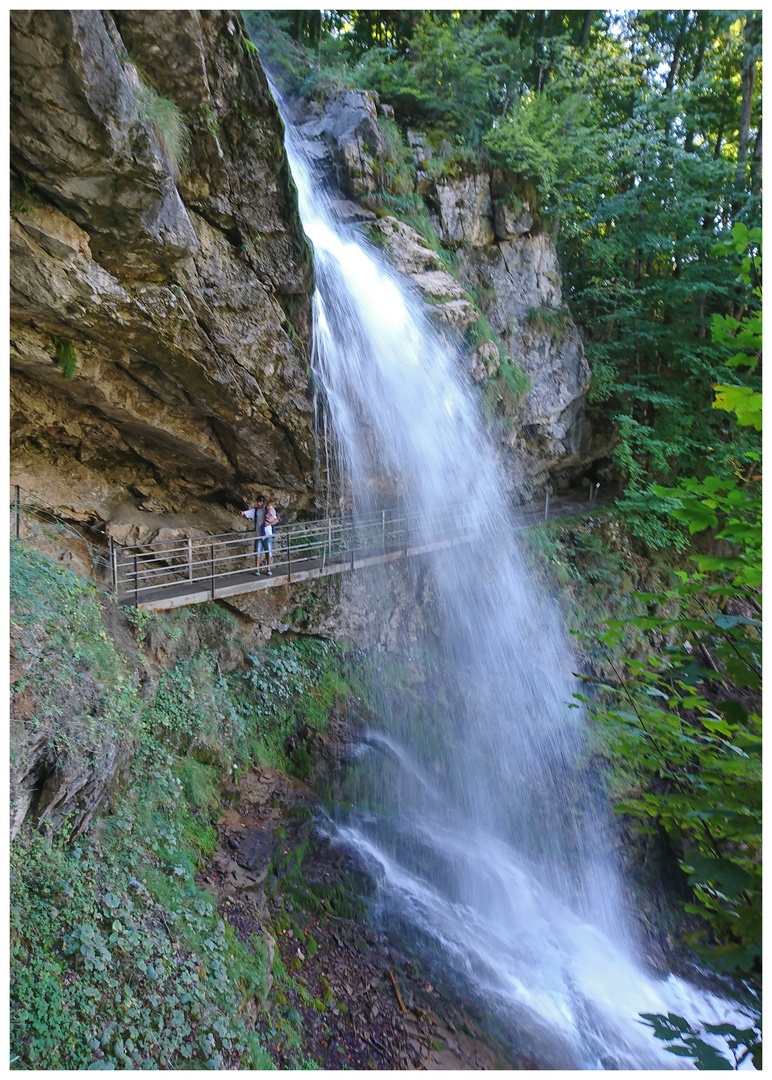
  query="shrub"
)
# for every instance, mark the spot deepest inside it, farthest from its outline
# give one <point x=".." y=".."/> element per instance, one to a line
<point x="549" y="320"/>
<point x="397" y="173"/>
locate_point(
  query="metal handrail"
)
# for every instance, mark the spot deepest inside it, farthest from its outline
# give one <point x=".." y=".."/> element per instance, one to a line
<point x="330" y="542"/>
<point x="32" y="507"/>
<point x="325" y="545"/>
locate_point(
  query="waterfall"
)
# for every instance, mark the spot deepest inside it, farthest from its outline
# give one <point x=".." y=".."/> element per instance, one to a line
<point x="479" y="825"/>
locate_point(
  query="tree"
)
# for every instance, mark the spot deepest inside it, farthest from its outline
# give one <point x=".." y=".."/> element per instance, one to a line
<point x="685" y="718"/>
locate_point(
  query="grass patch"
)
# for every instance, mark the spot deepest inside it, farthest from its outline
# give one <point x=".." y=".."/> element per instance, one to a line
<point x="65" y="356"/>
<point x="162" y="116"/>
<point x="397" y="174"/>
<point x="549" y="320"/>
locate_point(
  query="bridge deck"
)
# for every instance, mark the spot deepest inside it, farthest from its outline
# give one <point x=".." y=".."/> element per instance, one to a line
<point x="246" y="581"/>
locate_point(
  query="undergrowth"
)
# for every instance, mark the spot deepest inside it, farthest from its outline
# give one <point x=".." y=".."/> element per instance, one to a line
<point x="118" y="958"/>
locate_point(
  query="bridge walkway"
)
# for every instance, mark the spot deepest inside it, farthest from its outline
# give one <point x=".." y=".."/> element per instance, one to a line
<point x="194" y="569"/>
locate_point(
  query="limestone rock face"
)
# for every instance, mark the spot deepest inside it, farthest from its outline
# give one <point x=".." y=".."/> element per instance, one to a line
<point x="182" y="286"/>
<point x="465" y="211"/>
<point x="412" y="256"/>
<point x="526" y="310"/>
<point x="348" y="127"/>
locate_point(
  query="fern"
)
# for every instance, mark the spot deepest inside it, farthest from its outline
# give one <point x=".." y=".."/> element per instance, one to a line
<point x="65" y="356"/>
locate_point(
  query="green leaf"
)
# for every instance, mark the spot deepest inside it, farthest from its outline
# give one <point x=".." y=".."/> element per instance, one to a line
<point x="742" y="401"/>
<point x="706" y="870"/>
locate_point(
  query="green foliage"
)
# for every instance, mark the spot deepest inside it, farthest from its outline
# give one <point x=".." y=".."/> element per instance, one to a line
<point x="208" y="119"/>
<point x="397" y="174"/>
<point x="23" y="204"/>
<point x="111" y="971"/>
<point x="547" y="139"/>
<point x="685" y="721"/>
<point x="66" y="662"/>
<point x="515" y="379"/>
<point x="65" y="356"/>
<point x="115" y="950"/>
<point x="686" y="1042"/>
<point x="164" y="119"/>
<point x="666" y="718"/>
<point x="412" y="210"/>
<point x="479" y="332"/>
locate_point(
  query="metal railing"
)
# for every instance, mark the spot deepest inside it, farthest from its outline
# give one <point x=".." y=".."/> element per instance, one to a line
<point x="194" y="564"/>
<point x="32" y="519"/>
<point x="196" y="568"/>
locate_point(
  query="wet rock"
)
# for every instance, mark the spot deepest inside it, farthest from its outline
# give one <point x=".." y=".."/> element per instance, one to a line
<point x="254" y="849"/>
<point x="349" y="128"/>
<point x="522" y="277"/>
<point x="510" y="222"/>
<point x="256" y="788"/>
<point x="406" y="248"/>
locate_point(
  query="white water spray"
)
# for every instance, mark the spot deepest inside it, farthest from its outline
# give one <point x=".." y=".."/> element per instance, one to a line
<point x="481" y="834"/>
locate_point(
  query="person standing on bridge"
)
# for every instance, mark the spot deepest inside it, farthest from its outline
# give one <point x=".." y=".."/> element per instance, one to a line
<point x="269" y="523"/>
<point x="257" y="514"/>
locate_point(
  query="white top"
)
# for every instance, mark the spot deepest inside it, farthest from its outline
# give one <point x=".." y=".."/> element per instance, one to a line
<point x="257" y="513"/>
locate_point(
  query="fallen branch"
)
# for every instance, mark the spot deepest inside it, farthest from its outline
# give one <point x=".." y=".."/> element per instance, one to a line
<point x="396" y="991"/>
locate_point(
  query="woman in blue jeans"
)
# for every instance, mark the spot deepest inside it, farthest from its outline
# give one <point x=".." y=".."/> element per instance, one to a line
<point x="269" y="524"/>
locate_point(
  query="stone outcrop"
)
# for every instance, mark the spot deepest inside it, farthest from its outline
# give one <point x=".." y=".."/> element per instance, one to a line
<point x="505" y="267"/>
<point x="388" y="607"/>
<point x="552" y="438"/>
<point x="522" y="280"/>
<point x="412" y="256"/>
<point x="465" y="210"/>
<point x="348" y="127"/>
<point x="159" y="308"/>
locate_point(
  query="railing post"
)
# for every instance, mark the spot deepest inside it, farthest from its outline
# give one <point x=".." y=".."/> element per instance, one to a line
<point x="352" y="543"/>
<point x="289" y="557"/>
<point x="383" y="530"/>
<point x="113" y="574"/>
<point x="136" y="583"/>
<point x="16" y="513"/>
<point x="190" y="559"/>
<point x="211" y="556"/>
<point x="547" y="493"/>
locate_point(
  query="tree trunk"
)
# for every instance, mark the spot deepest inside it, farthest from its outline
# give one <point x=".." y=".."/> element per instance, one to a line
<point x="756" y="165"/>
<point x="748" y="79"/>
<point x="689" y="140"/>
<point x="677" y="53"/>
<point x="589" y="18"/>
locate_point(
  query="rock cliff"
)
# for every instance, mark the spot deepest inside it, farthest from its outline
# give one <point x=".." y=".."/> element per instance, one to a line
<point x="160" y="278"/>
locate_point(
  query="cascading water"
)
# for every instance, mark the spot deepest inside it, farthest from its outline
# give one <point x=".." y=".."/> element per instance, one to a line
<point x="479" y="830"/>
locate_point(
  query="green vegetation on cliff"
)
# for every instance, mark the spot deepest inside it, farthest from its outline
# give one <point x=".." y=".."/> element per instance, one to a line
<point x="674" y="684"/>
<point x="118" y="958"/>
